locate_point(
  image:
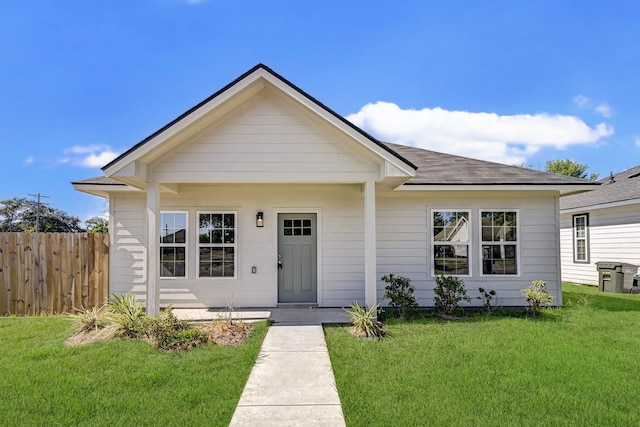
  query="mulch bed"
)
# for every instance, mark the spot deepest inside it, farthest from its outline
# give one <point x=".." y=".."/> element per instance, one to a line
<point x="226" y="333"/>
<point x="221" y="332"/>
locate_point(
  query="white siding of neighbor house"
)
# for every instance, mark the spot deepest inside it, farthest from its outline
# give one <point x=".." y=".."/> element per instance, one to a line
<point x="403" y="243"/>
<point x="404" y="246"/>
<point x="614" y="235"/>
<point x="267" y="140"/>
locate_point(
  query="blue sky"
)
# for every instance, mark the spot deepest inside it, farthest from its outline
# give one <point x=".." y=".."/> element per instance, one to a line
<point x="514" y="82"/>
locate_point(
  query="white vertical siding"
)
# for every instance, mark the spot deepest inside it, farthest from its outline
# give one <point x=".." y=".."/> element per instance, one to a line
<point x="614" y="235"/>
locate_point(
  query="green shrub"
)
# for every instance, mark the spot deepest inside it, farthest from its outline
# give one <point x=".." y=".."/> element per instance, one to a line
<point x="364" y="323"/>
<point x="400" y="293"/>
<point x="167" y="332"/>
<point x="537" y="297"/>
<point x="449" y="291"/>
<point x="178" y="339"/>
<point x="486" y="297"/>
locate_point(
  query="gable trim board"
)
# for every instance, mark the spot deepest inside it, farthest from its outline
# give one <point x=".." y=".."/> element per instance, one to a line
<point x="262" y="145"/>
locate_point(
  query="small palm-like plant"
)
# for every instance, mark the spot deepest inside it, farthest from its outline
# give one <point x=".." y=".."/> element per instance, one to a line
<point x="128" y="314"/>
<point x="364" y="323"/>
<point x="90" y="319"/>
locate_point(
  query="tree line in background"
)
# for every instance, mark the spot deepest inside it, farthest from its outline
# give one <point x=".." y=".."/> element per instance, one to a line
<point x="565" y="167"/>
<point x="19" y="214"/>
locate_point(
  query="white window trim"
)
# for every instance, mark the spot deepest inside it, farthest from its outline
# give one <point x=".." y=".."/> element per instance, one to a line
<point x="585" y="238"/>
<point x="432" y="243"/>
<point x="185" y="245"/>
<point x="517" y="242"/>
<point x="235" y="245"/>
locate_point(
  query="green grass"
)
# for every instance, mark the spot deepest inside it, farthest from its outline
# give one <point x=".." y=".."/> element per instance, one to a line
<point x="575" y="366"/>
<point x="120" y="382"/>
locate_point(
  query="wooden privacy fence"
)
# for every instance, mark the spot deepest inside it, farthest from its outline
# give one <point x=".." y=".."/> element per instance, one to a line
<point x="52" y="272"/>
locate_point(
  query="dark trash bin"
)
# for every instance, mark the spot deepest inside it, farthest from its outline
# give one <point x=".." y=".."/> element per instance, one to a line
<point x="615" y="276"/>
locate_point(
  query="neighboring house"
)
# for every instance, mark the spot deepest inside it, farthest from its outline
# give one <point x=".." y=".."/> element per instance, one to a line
<point x="260" y="196"/>
<point x="601" y="225"/>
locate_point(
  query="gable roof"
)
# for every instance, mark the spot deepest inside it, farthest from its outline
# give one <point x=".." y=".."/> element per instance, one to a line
<point x="236" y="82"/>
<point x="446" y="169"/>
<point x="621" y="187"/>
<point x="418" y="167"/>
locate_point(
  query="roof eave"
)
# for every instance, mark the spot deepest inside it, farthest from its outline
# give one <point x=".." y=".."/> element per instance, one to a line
<point x="562" y="188"/>
<point x="102" y="190"/>
<point x="600" y="206"/>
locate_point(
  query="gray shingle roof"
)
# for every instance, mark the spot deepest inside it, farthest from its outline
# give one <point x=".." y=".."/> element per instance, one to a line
<point x="435" y="168"/>
<point x="624" y="186"/>
<point x="445" y="169"/>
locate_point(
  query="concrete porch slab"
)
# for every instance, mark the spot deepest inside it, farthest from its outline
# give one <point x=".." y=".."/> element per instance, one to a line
<point x="294" y="315"/>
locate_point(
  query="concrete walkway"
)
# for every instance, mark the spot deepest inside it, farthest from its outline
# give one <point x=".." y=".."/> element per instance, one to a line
<point x="292" y="383"/>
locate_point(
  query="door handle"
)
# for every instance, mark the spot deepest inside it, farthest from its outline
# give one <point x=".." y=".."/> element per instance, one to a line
<point x="279" y="265"/>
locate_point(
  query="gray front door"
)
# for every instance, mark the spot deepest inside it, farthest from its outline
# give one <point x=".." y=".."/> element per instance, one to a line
<point x="297" y="258"/>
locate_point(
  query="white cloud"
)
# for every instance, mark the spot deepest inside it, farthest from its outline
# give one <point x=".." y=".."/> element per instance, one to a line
<point x="29" y="160"/>
<point x="506" y="139"/>
<point x="585" y="103"/>
<point x="90" y="156"/>
<point x="604" y="109"/>
<point x="638" y="142"/>
<point x="582" y="101"/>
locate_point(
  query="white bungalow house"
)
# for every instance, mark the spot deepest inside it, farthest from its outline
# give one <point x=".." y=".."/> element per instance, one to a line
<point x="262" y="196"/>
<point x="601" y="225"/>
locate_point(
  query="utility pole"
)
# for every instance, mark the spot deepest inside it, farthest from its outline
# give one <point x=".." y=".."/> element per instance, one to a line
<point x="39" y="196"/>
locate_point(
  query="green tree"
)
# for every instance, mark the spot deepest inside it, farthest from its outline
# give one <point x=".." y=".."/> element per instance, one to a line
<point x="569" y="168"/>
<point x="97" y="224"/>
<point x="10" y="212"/>
<point x="20" y="215"/>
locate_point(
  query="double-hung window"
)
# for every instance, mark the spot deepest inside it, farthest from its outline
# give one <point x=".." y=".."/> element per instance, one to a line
<point x="217" y="244"/>
<point x="173" y="244"/>
<point x="580" y="242"/>
<point x="499" y="241"/>
<point x="450" y="233"/>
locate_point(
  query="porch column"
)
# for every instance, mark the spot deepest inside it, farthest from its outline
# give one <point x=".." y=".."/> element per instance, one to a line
<point x="153" y="254"/>
<point x="370" y="262"/>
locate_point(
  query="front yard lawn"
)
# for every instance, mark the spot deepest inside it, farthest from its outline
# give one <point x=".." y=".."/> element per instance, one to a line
<point x="118" y="382"/>
<point x="579" y="365"/>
